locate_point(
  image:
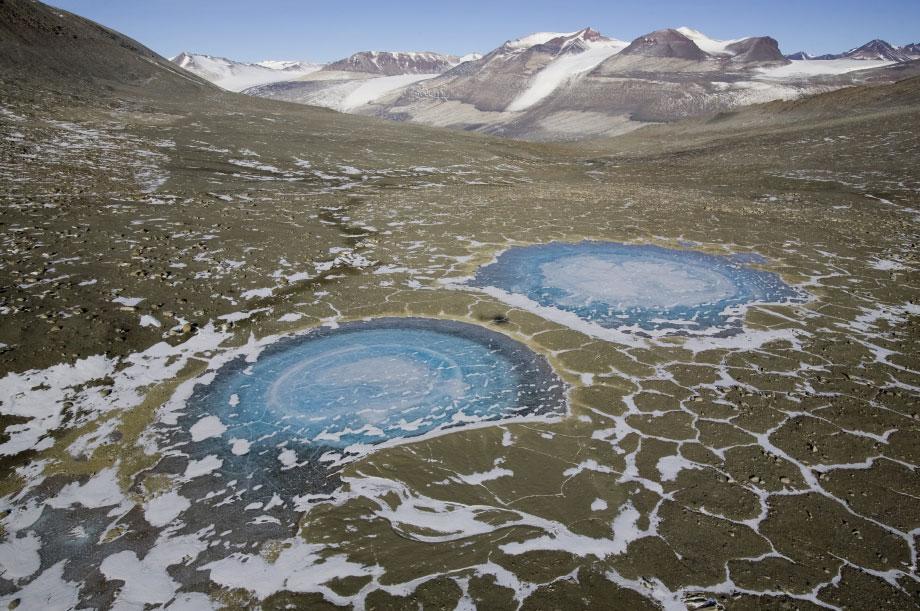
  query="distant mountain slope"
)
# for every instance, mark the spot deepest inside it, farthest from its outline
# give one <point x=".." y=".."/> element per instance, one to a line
<point x="666" y="43"/>
<point x="517" y="74"/>
<point x="342" y="91"/>
<point x="551" y="86"/>
<point x="392" y="63"/>
<point x="236" y="76"/>
<point x="346" y="84"/>
<point x="756" y="49"/>
<point x="44" y="47"/>
<point x="900" y="98"/>
<point x="876" y="50"/>
<point x="576" y="55"/>
<point x="555" y="85"/>
<point x="363" y="78"/>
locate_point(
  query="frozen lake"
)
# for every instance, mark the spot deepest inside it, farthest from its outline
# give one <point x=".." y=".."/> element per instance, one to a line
<point x="370" y="382"/>
<point x="621" y="285"/>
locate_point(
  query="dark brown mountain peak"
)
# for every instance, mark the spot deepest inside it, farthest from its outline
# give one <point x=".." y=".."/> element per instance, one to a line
<point x="756" y="50"/>
<point x="665" y="43"/>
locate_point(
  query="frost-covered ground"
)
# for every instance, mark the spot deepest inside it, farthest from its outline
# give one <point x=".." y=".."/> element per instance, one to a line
<point x="149" y="252"/>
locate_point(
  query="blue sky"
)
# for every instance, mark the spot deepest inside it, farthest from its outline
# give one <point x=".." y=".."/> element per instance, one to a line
<point x="325" y="31"/>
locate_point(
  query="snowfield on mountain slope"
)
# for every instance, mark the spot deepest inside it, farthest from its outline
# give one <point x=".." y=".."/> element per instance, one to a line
<point x="817" y="67"/>
<point x="707" y="44"/>
<point x="562" y="69"/>
<point x="275" y="64"/>
<point x="376" y="88"/>
<point x="237" y="76"/>
<point x="537" y="38"/>
<point x="552" y="97"/>
<point x="352" y="94"/>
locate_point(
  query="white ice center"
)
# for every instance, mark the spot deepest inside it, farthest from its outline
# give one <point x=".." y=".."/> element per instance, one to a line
<point x="630" y="284"/>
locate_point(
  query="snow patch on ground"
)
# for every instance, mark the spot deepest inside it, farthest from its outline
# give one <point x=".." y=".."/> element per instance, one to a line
<point x="474" y="479"/>
<point x="669" y="467"/>
<point x="19" y="557"/>
<point x="165" y="508"/>
<point x="887" y="265"/>
<point x="209" y="426"/>
<point x="128" y="301"/>
<point x="298" y="568"/>
<point x="147" y="582"/>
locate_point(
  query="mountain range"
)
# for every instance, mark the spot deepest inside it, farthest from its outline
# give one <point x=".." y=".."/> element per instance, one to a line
<point x="236" y="76"/>
<point x="873" y="50"/>
<point x="392" y="63"/>
<point x="558" y="86"/>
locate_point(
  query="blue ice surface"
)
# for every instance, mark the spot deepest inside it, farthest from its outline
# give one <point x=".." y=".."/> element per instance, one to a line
<point x="369" y="382"/>
<point x="623" y="285"/>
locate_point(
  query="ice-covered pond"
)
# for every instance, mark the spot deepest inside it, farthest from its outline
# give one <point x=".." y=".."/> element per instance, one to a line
<point x="370" y="382"/>
<point x="264" y="432"/>
<point x="275" y="424"/>
<point x="640" y="286"/>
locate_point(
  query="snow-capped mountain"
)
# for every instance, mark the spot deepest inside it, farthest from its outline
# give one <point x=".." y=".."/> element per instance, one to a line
<point x="554" y="85"/>
<point x="877" y="50"/>
<point x="688" y="44"/>
<point x="666" y="43"/>
<point x="391" y="63"/>
<point x="518" y="74"/>
<point x="236" y="76"/>
<point x="707" y="44"/>
<point x="338" y="92"/>
<point x="289" y="65"/>
<point x="558" y="43"/>
<point x="470" y="57"/>
<point x="578" y="82"/>
<point x="575" y="54"/>
<point x="349" y="84"/>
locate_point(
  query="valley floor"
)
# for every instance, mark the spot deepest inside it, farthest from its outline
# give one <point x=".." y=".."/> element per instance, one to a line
<point x="145" y="244"/>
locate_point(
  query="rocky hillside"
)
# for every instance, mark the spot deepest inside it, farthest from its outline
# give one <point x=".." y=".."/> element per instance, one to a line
<point x="565" y="86"/>
<point x="392" y="63"/>
<point x="579" y="85"/>
<point x="43" y="48"/>
<point x="878" y="50"/>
